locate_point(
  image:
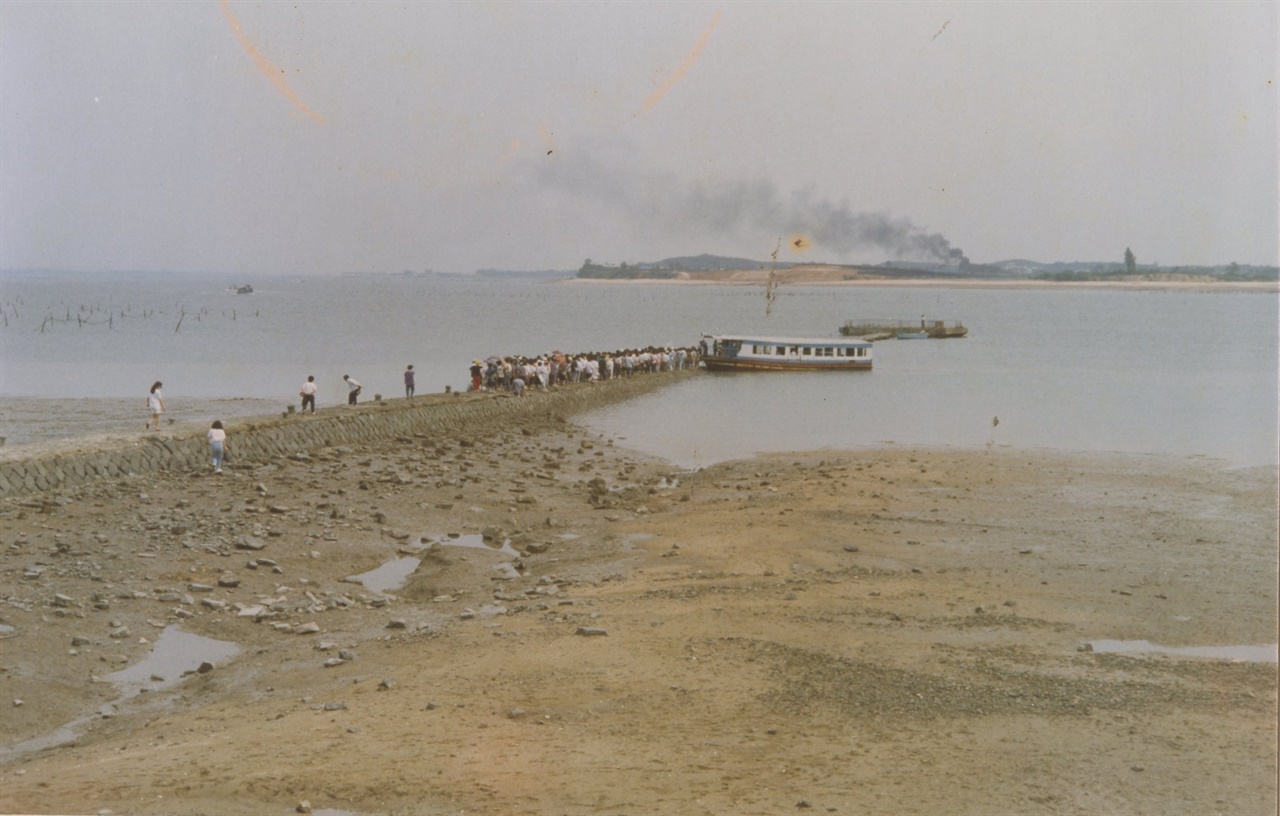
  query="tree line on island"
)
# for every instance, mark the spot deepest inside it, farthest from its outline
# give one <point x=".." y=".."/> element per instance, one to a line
<point x="667" y="269"/>
<point x="707" y="266"/>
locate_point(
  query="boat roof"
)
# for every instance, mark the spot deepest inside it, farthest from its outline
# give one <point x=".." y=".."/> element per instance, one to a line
<point x="790" y="341"/>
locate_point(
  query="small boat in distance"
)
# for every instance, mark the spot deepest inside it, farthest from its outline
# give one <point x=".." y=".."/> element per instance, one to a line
<point x="941" y="331"/>
<point x="758" y="353"/>
<point x="240" y="290"/>
<point x="902" y="329"/>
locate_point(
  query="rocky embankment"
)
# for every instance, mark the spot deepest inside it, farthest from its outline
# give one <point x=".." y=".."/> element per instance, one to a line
<point x="68" y="463"/>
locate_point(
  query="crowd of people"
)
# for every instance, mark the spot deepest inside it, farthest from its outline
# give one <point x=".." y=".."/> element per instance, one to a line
<point x="513" y="374"/>
<point x="518" y="372"/>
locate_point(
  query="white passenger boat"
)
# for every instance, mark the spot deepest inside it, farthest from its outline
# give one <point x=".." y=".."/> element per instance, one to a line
<point x="757" y="353"/>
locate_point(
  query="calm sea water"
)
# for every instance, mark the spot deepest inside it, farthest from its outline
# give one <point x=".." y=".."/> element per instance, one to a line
<point x="1192" y="373"/>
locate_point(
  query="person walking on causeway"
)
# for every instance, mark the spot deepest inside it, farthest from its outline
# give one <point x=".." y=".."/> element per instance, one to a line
<point x="217" y="442"/>
<point x="155" y="406"/>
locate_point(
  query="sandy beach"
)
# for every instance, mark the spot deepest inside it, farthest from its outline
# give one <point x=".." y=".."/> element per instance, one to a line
<point x="900" y="631"/>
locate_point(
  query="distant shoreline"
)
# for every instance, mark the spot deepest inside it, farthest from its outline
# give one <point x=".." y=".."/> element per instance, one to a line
<point x="739" y="277"/>
<point x="976" y="283"/>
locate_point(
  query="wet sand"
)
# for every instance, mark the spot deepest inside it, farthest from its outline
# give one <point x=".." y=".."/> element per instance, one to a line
<point x="28" y="421"/>
<point x="895" y="631"/>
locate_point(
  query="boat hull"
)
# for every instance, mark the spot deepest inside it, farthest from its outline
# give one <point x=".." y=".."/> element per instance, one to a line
<point x="745" y="364"/>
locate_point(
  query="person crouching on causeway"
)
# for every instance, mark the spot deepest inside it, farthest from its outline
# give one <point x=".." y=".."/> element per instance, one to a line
<point x="217" y="441"/>
<point x="353" y="389"/>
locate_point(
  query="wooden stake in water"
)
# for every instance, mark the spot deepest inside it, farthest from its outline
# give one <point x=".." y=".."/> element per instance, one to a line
<point x="771" y="286"/>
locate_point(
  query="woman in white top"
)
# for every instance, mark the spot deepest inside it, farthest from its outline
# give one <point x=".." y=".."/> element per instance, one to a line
<point x="217" y="438"/>
<point x="155" y="405"/>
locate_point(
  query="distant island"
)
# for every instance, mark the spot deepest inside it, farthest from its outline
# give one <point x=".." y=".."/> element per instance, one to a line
<point x="721" y="269"/>
<point x="492" y="274"/>
<point x="669" y="269"/>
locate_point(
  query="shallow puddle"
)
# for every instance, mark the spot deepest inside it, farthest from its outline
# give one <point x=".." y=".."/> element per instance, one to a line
<point x="176" y="653"/>
<point x="473" y="540"/>
<point x="1247" y="654"/>
<point x="476" y="541"/>
<point x="59" y="736"/>
<point x="389" y="576"/>
<point x="395" y="573"/>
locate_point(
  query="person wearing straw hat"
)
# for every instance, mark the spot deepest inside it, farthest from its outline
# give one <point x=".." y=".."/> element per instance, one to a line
<point x="477" y="370"/>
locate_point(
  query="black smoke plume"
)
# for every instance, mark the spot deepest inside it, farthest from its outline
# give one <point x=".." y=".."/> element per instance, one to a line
<point x="742" y="210"/>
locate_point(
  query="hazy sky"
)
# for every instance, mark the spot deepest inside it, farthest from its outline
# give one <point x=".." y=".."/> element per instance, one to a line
<point x="256" y="138"/>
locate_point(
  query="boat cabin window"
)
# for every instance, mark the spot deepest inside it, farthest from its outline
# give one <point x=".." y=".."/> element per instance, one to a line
<point x="781" y="350"/>
<point x="807" y="351"/>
